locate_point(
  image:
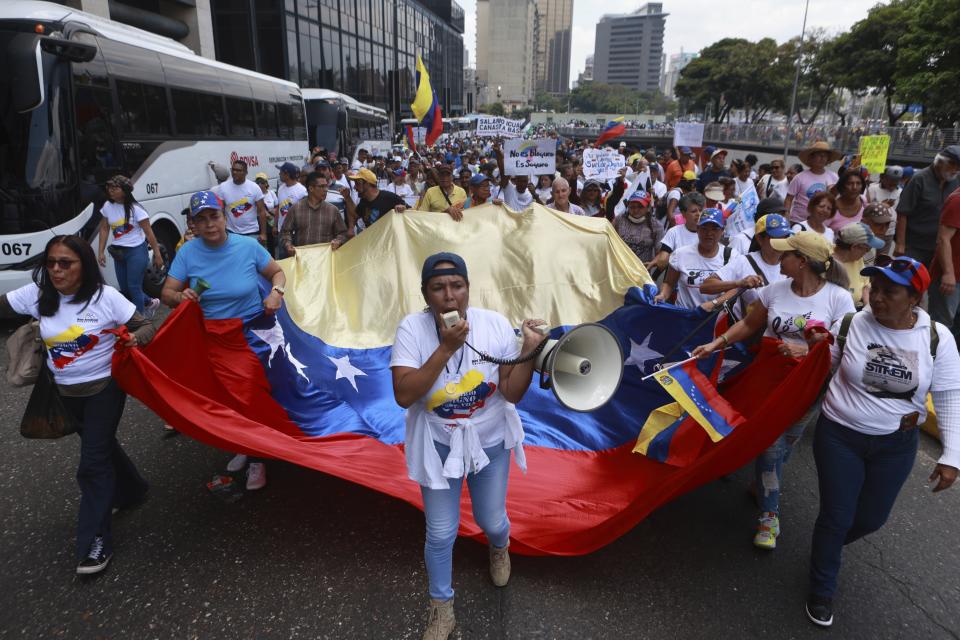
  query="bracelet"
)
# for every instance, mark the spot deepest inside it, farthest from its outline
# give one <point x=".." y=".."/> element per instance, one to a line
<point x="726" y="341"/>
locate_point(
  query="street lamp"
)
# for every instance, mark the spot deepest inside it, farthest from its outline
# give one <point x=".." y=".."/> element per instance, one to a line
<point x="499" y="92"/>
<point x="796" y="81"/>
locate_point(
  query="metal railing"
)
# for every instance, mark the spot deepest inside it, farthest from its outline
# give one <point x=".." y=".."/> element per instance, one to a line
<point x="913" y="144"/>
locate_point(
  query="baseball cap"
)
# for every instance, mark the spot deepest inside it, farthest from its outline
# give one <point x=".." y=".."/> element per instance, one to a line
<point x="430" y="269"/>
<point x="717" y="152"/>
<point x="478" y="178"/>
<point x="640" y="196"/>
<point x="343" y="161"/>
<point x="809" y="243"/>
<point x="908" y="172"/>
<point x="711" y="216"/>
<point x="261" y="176"/>
<point x="952" y="152"/>
<point x="322" y="163"/>
<point x="364" y="174"/>
<point x="714" y="191"/>
<point x="773" y="204"/>
<point x="903" y="270"/>
<point x="444" y="168"/>
<point x="202" y="200"/>
<point x="400" y="173"/>
<point x="893" y="171"/>
<point x="289" y="168"/>
<point x="709" y="149"/>
<point x="878" y="212"/>
<point x="594" y="183"/>
<point x="859" y="233"/>
<point x="685" y="150"/>
<point x="774" y="225"/>
<point x="688" y="175"/>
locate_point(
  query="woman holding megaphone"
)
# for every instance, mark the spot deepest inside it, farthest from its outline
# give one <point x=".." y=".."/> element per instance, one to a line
<point x="461" y="422"/>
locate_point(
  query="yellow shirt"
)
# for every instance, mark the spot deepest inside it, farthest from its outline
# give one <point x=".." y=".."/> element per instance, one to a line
<point x="433" y="199"/>
<point x="857" y="281"/>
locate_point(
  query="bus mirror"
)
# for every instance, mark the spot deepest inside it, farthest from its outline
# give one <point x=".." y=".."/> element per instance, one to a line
<point x="68" y="50"/>
<point x="27" y="71"/>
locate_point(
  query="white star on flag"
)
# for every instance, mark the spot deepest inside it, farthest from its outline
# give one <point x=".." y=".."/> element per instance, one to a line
<point x="641" y="353"/>
<point x="346" y="370"/>
<point x="273" y="337"/>
<point x="299" y="366"/>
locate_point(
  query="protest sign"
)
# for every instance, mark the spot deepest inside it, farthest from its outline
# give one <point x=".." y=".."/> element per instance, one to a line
<point x="529" y="157"/>
<point x="489" y="126"/>
<point x="688" y="134"/>
<point x="511" y="128"/>
<point x="873" y="152"/>
<point x="602" y="164"/>
<point x="744" y="214"/>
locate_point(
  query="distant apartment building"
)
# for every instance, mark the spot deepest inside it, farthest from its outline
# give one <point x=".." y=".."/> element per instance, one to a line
<point x="507" y="40"/>
<point x="673" y="67"/>
<point x="552" y="58"/>
<point x="629" y="48"/>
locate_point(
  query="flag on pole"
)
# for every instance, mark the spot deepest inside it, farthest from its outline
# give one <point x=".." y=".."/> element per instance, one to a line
<point x="700" y="399"/>
<point x="411" y="139"/>
<point x="426" y="107"/>
<point x="614" y="128"/>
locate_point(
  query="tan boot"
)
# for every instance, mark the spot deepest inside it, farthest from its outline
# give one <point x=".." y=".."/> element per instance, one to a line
<point x="441" y="621"/>
<point x="500" y="565"/>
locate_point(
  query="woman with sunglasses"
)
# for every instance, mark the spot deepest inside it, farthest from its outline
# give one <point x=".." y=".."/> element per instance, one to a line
<point x="76" y="311"/>
<point x="890" y="357"/>
<point x="813" y="292"/>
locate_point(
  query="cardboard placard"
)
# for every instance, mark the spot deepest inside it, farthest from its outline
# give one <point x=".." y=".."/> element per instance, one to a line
<point x="529" y="157"/>
<point x="873" y="153"/>
<point x="602" y="164"/>
<point x="688" y="134"/>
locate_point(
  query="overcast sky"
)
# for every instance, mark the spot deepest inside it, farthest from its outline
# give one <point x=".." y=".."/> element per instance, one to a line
<point x="694" y="25"/>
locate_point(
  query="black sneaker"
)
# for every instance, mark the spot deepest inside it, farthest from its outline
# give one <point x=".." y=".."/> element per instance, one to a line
<point x="97" y="559"/>
<point x="820" y="610"/>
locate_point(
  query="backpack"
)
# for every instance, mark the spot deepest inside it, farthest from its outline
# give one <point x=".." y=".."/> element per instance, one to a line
<point x="845" y="329"/>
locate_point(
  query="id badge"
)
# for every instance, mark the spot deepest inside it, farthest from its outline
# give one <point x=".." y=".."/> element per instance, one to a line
<point x="451" y="382"/>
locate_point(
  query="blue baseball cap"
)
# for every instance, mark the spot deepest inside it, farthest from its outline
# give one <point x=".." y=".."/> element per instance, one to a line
<point x="774" y="225"/>
<point x="640" y="196"/>
<point x="711" y="216"/>
<point x="903" y="270"/>
<point x="289" y="168"/>
<point x="202" y="200"/>
<point x="685" y="150"/>
<point x="479" y="178"/>
<point x="908" y="172"/>
<point x="430" y="269"/>
<point x="710" y="149"/>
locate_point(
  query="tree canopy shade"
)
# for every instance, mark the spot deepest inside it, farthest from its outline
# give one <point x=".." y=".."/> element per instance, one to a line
<point x="598" y="97"/>
<point x="928" y="60"/>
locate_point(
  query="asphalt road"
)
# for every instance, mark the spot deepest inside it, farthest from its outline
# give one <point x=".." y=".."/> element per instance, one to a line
<point x="311" y="556"/>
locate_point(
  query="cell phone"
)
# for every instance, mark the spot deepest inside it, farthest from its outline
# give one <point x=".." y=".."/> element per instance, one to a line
<point x="450" y="319"/>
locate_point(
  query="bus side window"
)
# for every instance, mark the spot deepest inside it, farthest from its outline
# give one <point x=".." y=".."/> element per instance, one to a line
<point x="96" y="138"/>
<point x="266" y="119"/>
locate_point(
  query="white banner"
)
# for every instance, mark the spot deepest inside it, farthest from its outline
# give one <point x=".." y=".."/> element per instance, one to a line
<point x="688" y="134"/>
<point x="512" y="128"/>
<point x="492" y="126"/>
<point x="529" y="157"/>
<point x="744" y="216"/>
<point x="602" y="164"/>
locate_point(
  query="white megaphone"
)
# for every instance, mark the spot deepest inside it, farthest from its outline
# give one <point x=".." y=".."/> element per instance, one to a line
<point x="584" y="367"/>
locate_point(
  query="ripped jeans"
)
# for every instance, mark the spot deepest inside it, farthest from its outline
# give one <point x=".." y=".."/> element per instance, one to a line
<point x="769" y="465"/>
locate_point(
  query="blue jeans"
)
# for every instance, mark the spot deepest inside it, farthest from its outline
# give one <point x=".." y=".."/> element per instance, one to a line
<point x="860" y="476"/>
<point x="943" y="309"/>
<point x="130" y="272"/>
<point x="488" y="492"/>
<point x="768" y="468"/>
<point x="106" y="476"/>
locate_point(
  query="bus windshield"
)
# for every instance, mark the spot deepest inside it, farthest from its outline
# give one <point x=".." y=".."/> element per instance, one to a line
<point x="38" y="179"/>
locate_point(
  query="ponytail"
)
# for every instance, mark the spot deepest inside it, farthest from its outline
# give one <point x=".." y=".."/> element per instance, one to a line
<point x="831" y="271"/>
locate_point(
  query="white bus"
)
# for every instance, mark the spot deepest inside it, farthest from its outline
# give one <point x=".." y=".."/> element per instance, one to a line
<point x="337" y="122"/>
<point x="84" y="98"/>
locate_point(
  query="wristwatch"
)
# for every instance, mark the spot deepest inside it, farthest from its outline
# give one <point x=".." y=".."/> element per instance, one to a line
<point x="279" y="289"/>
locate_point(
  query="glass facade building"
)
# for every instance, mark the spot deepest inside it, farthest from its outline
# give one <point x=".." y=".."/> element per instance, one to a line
<point x="366" y="49"/>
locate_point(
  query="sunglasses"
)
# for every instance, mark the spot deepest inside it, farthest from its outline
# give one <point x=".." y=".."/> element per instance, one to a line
<point x="63" y="263"/>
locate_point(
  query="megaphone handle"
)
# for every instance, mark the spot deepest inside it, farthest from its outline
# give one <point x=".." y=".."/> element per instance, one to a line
<point x="545" y="381"/>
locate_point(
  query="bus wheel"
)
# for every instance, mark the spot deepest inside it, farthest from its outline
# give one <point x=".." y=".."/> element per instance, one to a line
<point x="153" y="278"/>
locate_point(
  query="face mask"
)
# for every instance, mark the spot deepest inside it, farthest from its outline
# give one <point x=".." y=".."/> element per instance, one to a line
<point x="950" y="176"/>
<point x="636" y="218"/>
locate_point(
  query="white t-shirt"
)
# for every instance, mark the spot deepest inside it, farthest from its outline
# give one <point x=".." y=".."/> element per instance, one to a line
<point x="788" y="313"/>
<point x="678" y="236"/>
<point x="876" y="193"/>
<point x="674" y="194"/>
<point x="463" y="408"/>
<point x="269" y="200"/>
<point x="740" y="267"/>
<point x="125" y="234"/>
<point x="778" y="188"/>
<point x="514" y="199"/>
<point x="742" y="241"/>
<point x="694" y="269"/>
<point x="885" y="374"/>
<point x="405" y="191"/>
<point x="286" y="198"/>
<point x="545" y="193"/>
<point x="240" y="202"/>
<point x="828" y="233"/>
<point x="77" y="351"/>
<point x="742" y="186"/>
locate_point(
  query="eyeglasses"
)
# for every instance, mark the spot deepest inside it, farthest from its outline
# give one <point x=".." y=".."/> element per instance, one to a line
<point x="63" y="263"/>
<point x="319" y="186"/>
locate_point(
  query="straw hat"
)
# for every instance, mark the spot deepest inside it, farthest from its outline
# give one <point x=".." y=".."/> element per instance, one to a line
<point x="820" y="145"/>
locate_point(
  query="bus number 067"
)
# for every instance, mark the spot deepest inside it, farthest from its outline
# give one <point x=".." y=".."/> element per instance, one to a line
<point x="152" y="187"/>
<point x="15" y="248"/>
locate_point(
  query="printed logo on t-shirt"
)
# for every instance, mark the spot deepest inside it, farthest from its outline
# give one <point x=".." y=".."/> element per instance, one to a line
<point x="790" y="325"/>
<point x="890" y="372"/>
<point x="70" y="345"/>
<point x="120" y="228"/>
<point x="697" y="276"/>
<point x="815" y="188"/>
<point x="239" y="207"/>
<point x="461" y="399"/>
<point x="284" y="206"/>
<point x="374" y="216"/>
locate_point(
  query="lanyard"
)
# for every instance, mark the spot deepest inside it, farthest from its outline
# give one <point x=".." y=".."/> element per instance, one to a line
<point x="446" y="365"/>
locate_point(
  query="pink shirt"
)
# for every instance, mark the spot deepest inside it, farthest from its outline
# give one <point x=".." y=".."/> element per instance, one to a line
<point x="804" y="186"/>
<point x="839" y="221"/>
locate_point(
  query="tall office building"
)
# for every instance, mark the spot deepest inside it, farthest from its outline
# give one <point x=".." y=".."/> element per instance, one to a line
<point x="506" y="50"/>
<point x="673" y="68"/>
<point x="629" y="48"/>
<point x="554" y="23"/>
<point x="366" y="49"/>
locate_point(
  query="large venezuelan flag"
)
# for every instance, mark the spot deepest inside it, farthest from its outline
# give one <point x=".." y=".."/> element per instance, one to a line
<point x="312" y="385"/>
<point x="425" y="105"/>
<point x="613" y="129"/>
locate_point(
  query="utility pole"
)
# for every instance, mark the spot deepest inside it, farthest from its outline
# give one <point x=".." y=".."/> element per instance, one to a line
<point x="796" y="82"/>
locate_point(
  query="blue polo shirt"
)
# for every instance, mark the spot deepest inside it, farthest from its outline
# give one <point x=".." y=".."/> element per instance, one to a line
<point x="232" y="270"/>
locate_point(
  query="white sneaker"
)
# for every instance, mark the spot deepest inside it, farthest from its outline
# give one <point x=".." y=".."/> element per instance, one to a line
<point x="256" y="476"/>
<point x="237" y="463"/>
<point x="150" y="308"/>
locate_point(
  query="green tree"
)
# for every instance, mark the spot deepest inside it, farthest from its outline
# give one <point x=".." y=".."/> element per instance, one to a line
<point x="928" y="60"/>
<point x="495" y="109"/>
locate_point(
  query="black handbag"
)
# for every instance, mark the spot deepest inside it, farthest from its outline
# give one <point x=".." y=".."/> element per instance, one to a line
<point x="119" y="254"/>
<point x="46" y="416"/>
